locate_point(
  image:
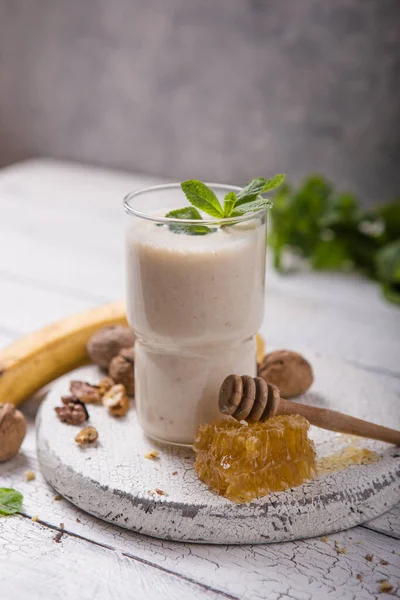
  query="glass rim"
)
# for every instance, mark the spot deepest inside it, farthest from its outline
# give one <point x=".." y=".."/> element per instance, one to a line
<point x="168" y="220"/>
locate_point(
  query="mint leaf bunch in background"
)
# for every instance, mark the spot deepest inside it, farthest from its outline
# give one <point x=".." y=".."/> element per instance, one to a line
<point x="201" y="197"/>
<point x="332" y="231"/>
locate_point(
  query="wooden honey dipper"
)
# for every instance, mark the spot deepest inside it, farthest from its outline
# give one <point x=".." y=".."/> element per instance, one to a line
<point x="253" y="399"/>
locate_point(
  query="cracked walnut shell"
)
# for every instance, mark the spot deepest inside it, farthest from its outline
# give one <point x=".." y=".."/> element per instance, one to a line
<point x="121" y="369"/>
<point x="288" y="370"/>
<point x="85" y="392"/>
<point x="73" y="412"/>
<point x="108" y="342"/>
<point x="12" y="431"/>
<point x="116" y="400"/>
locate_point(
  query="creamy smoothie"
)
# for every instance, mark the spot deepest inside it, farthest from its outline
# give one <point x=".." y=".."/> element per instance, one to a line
<point x="195" y="303"/>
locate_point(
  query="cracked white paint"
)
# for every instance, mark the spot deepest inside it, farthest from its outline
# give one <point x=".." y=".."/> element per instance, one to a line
<point x="310" y="569"/>
<point x="307" y="569"/>
<point x="72" y="568"/>
<point x="115" y="482"/>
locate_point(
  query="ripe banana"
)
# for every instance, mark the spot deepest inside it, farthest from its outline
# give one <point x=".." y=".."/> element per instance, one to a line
<point x="38" y="358"/>
<point x="260" y="345"/>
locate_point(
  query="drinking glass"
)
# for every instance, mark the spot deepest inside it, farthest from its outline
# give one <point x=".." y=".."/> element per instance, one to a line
<point x="195" y="300"/>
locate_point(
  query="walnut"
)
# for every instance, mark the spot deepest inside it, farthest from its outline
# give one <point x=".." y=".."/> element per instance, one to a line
<point x="121" y="369"/>
<point x="87" y="435"/>
<point x="116" y="400"/>
<point x="85" y="392"/>
<point x="107" y="342"/>
<point x="289" y="371"/>
<point x="12" y="431"/>
<point x="73" y="412"/>
<point x="104" y="385"/>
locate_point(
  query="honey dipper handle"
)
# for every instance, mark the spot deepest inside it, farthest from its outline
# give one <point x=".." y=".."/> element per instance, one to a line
<point x="336" y="421"/>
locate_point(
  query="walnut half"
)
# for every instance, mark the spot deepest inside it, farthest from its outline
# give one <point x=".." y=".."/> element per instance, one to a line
<point x="85" y="392"/>
<point x="87" y="435"/>
<point x="72" y="412"/>
<point x="116" y="400"/>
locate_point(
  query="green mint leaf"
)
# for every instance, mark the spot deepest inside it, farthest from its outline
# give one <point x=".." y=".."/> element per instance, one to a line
<point x="229" y="203"/>
<point x="188" y="212"/>
<point x="190" y="229"/>
<point x="250" y="207"/>
<point x="273" y="182"/>
<point x="202" y="197"/>
<point x="251" y="191"/>
<point x="258" y="186"/>
<point x="10" y="501"/>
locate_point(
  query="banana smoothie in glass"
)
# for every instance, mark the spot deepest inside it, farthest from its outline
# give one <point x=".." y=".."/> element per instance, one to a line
<point x="195" y="300"/>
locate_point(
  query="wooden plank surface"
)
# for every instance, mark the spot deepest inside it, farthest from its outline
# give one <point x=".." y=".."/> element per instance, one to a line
<point x="388" y="523"/>
<point x="314" y="567"/>
<point x="37" y="564"/>
<point x="61" y="250"/>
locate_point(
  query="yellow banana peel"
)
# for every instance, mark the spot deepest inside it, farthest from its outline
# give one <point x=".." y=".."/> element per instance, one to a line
<point x="40" y="357"/>
<point x="260" y="345"/>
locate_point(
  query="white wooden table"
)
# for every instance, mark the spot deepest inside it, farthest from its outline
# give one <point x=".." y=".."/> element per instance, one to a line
<point x="61" y="251"/>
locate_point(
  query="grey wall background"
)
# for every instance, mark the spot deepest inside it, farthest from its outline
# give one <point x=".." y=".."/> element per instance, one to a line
<point x="215" y="89"/>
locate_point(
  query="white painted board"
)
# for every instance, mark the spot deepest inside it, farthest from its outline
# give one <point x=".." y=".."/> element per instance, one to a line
<point x="115" y="482"/>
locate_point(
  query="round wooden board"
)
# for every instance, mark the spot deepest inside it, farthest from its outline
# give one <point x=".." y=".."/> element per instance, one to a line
<point x="115" y="482"/>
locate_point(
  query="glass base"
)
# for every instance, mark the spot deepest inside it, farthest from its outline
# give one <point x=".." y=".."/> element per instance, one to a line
<point x="166" y="442"/>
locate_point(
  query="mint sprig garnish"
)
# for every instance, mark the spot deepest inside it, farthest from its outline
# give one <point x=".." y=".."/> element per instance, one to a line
<point x="258" y="186"/>
<point x="229" y="203"/>
<point x="202" y="197"/>
<point x="252" y="206"/>
<point x="10" y="501"/>
<point x="188" y="212"/>
<point x="249" y="199"/>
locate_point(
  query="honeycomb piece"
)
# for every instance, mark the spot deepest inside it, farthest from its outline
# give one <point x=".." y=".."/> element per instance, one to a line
<point x="245" y="461"/>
